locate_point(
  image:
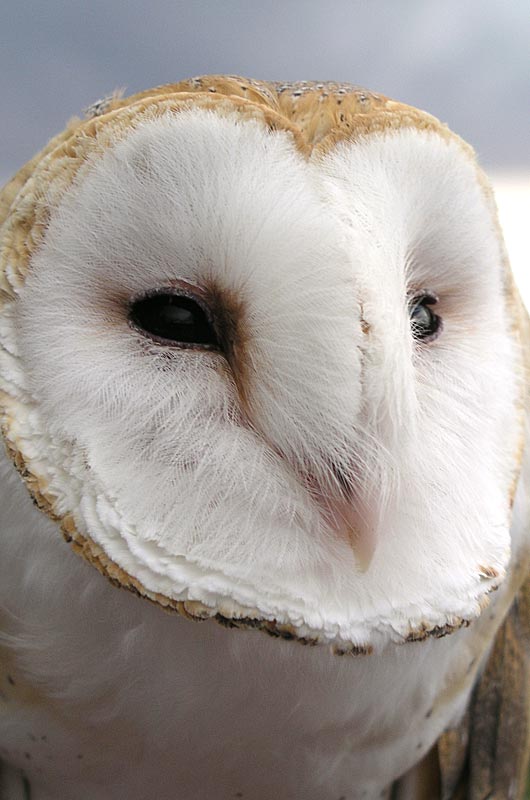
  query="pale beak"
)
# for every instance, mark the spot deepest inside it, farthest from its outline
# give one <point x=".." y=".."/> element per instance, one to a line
<point x="350" y="519"/>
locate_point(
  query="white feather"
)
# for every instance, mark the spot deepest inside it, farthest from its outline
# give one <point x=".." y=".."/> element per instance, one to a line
<point x="199" y="497"/>
<point x="199" y="494"/>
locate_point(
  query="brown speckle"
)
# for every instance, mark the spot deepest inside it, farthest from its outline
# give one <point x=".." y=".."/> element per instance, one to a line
<point x="352" y="650"/>
<point x="365" y="326"/>
<point x="231" y="326"/>
<point x="10" y="680"/>
<point x="487" y="572"/>
<point x="437" y="632"/>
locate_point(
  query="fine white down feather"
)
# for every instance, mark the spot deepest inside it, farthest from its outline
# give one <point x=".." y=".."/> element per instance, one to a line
<point x="193" y="475"/>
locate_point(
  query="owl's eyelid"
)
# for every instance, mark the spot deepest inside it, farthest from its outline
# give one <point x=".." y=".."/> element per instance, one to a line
<point x="170" y="343"/>
<point x="425" y="296"/>
<point x="178" y="288"/>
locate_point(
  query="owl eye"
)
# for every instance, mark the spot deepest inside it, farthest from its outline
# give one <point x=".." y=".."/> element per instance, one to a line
<point x="173" y="319"/>
<point x="425" y="324"/>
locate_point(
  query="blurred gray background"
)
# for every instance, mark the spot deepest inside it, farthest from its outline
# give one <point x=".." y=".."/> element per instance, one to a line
<point x="466" y="61"/>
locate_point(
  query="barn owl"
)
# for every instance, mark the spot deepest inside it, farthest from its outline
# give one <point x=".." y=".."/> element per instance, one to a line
<point x="264" y="364"/>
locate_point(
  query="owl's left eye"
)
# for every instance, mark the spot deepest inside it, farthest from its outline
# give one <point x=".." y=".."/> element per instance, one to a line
<point x="173" y="319"/>
<point x="425" y="324"/>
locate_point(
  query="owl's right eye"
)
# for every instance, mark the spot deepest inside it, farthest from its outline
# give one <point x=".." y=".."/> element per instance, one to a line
<point x="173" y="319"/>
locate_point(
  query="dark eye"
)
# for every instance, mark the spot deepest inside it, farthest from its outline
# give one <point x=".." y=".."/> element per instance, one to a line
<point x="173" y="319"/>
<point x="425" y="324"/>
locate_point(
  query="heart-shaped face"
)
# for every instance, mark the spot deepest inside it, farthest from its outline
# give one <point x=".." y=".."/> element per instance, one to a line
<point x="260" y="358"/>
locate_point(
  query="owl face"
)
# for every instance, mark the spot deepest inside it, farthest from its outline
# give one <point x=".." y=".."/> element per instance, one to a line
<point x="277" y="386"/>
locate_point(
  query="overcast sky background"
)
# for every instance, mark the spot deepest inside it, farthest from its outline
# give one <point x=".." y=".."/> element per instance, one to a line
<point x="466" y="61"/>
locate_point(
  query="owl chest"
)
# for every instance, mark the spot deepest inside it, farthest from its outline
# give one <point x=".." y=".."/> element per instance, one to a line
<point x="192" y="710"/>
<point x="104" y="696"/>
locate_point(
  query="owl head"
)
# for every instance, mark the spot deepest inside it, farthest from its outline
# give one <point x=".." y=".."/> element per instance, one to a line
<point x="261" y="358"/>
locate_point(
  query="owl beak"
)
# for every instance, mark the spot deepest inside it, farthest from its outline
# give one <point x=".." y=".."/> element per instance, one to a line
<point x="350" y="521"/>
<point x="354" y="527"/>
